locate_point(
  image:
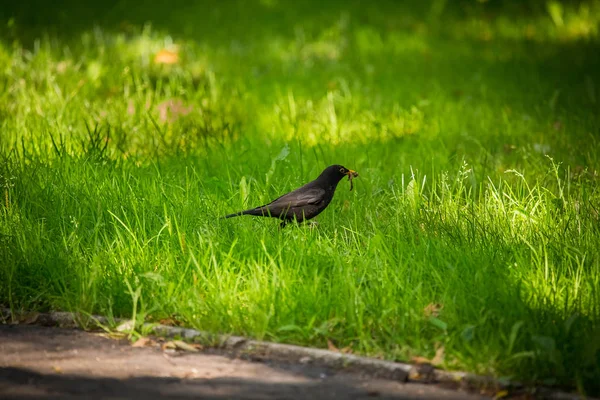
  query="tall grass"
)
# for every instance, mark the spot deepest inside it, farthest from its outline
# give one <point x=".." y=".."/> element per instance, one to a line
<point x="474" y="225"/>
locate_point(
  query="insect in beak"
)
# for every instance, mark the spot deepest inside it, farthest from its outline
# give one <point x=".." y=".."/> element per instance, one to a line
<point x="351" y="174"/>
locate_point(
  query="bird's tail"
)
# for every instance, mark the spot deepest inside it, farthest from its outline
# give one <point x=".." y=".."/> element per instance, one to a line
<point x="237" y="214"/>
<point x="252" y="211"/>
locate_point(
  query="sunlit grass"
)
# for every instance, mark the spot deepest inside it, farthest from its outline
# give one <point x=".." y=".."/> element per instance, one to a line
<point x="474" y="225"/>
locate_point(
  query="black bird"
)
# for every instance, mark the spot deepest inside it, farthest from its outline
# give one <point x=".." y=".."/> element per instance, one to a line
<point x="305" y="202"/>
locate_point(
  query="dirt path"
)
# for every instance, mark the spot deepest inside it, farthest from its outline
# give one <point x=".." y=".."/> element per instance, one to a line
<point x="40" y="362"/>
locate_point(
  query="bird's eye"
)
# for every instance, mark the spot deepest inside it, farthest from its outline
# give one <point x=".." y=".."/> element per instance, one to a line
<point x="343" y="170"/>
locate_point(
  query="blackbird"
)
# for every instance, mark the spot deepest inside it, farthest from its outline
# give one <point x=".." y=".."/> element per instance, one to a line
<point x="305" y="202"/>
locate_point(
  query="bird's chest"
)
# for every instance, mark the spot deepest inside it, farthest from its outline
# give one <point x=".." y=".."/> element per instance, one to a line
<point x="328" y="195"/>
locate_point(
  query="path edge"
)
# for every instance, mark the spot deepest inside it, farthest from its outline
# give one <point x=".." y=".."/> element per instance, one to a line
<point x="262" y="351"/>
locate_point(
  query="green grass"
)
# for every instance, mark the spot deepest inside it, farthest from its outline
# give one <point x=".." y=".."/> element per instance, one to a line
<point x="475" y="130"/>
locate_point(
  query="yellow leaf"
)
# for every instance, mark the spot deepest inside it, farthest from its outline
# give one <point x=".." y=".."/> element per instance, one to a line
<point x="166" y="57"/>
<point x="141" y="342"/>
<point x="420" y="360"/>
<point x="439" y="356"/>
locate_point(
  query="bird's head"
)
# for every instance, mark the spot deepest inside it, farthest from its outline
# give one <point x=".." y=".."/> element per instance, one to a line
<point x="335" y="173"/>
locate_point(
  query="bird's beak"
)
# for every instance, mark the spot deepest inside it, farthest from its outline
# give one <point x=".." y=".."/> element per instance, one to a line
<point x="352" y="174"/>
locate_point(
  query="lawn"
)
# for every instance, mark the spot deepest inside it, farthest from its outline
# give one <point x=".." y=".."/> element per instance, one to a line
<point x="473" y="231"/>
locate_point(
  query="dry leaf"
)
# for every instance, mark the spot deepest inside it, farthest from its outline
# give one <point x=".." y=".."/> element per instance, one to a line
<point x="432" y="309"/>
<point x="181" y="345"/>
<point x="501" y="394"/>
<point x="166" y="57"/>
<point x="141" y="342"/>
<point x="168" y="345"/>
<point x="437" y="359"/>
<point x="414" y="375"/>
<point x="420" y="360"/>
<point x="168" y="321"/>
<point x="331" y="346"/>
<point x="111" y="335"/>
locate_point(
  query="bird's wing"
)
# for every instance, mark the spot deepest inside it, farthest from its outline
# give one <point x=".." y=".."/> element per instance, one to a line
<point x="300" y="197"/>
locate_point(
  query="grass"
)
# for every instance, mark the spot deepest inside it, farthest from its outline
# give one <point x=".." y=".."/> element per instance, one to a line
<point x="474" y="226"/>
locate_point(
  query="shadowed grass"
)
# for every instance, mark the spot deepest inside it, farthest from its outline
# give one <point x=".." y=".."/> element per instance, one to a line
<point x="474" y="225"/>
